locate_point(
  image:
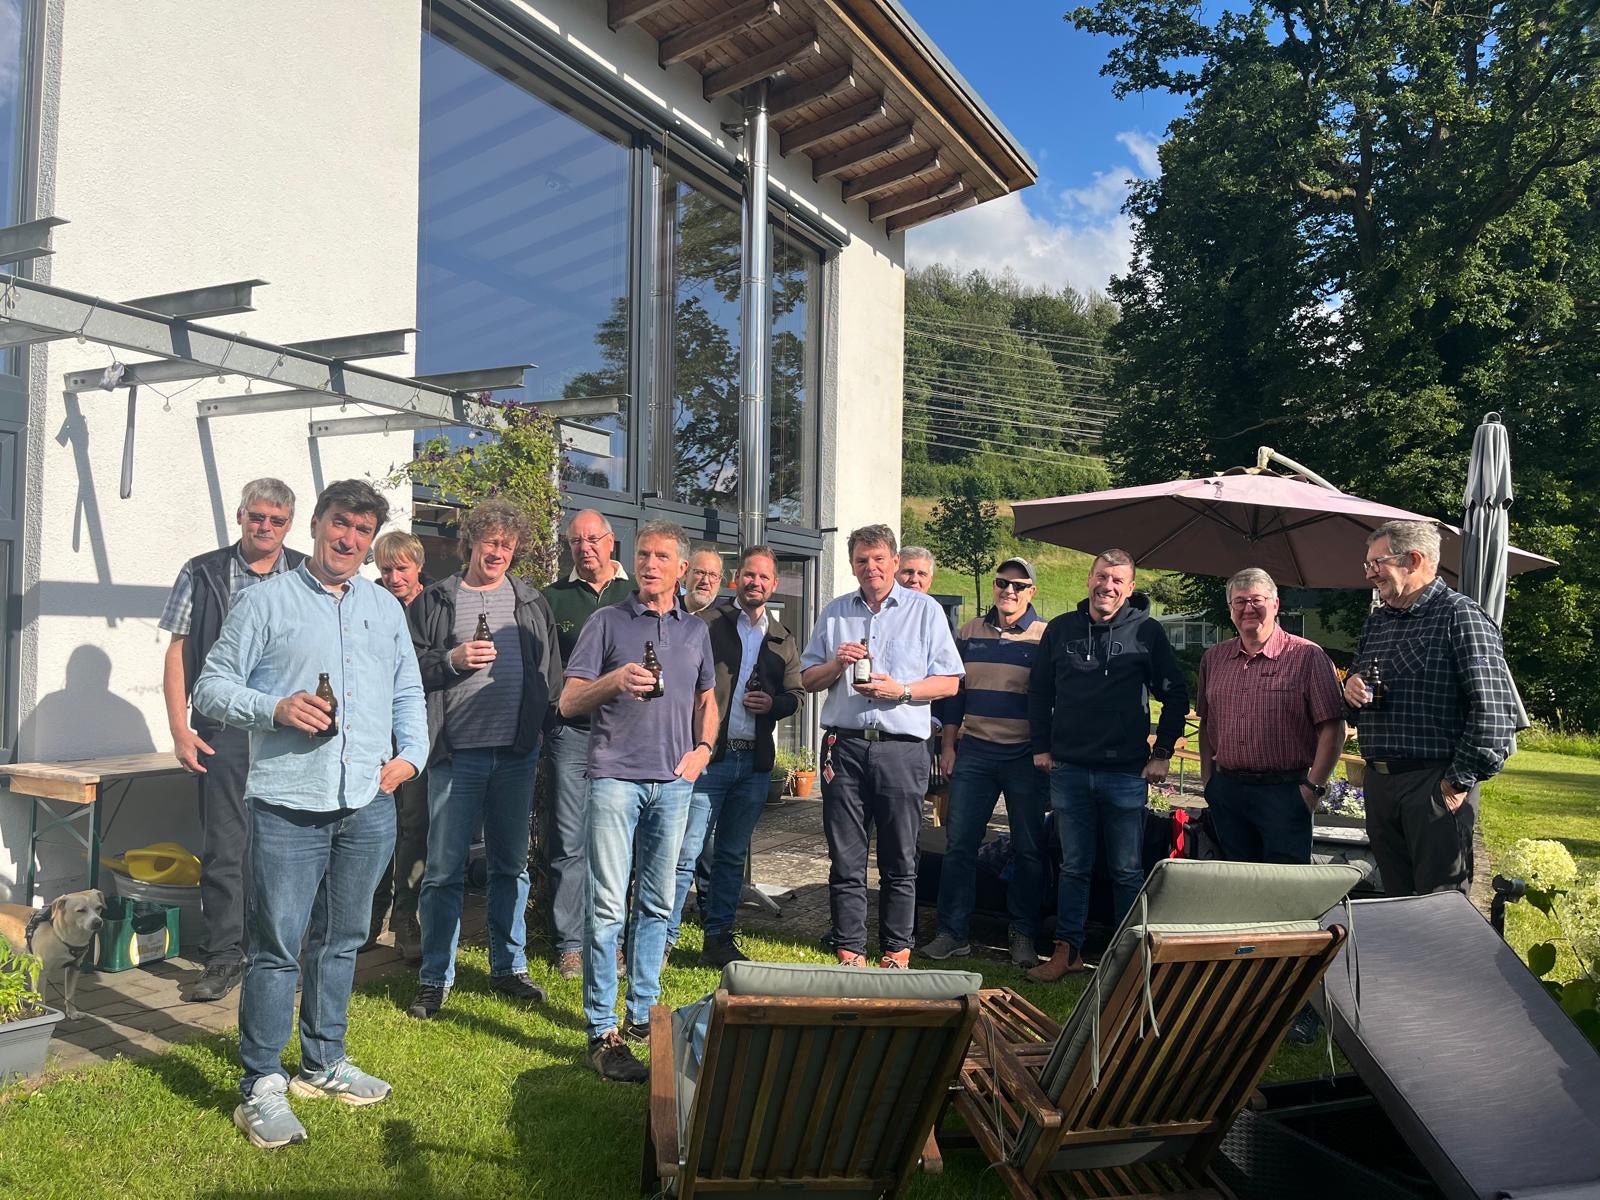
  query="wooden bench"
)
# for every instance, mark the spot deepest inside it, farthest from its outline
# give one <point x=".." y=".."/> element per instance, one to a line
<point x="79" y="786"/>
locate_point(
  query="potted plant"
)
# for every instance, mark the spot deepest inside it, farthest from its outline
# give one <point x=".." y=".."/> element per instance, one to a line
<point x="804" y="777"/>
<point x="26" y="1022"/>
<point x="784" y="765"/>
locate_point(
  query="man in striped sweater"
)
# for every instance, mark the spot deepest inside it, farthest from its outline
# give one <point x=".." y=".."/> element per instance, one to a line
<point x="990" y="717"/>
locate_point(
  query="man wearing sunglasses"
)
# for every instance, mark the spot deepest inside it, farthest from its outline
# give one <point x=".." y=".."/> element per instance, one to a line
<point x="1271" y="728"/>
<point x="1445" y="718"/>
<point x="202" y="596"/>
<point x="989" y="714"/>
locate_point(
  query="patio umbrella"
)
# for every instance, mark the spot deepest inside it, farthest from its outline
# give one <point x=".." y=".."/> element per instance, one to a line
<point x="1302" y="534"/>
<point x="1484" y="526"/>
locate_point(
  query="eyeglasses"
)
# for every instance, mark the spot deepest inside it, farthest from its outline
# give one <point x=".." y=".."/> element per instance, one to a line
<point x="255" y="518"/>
<point x="591" y="540"/>
<point x="1372" y="564"/>
<point x="1013" y="585"/>
<point x="1243" y="602"/>
<point x="706" y="574"/>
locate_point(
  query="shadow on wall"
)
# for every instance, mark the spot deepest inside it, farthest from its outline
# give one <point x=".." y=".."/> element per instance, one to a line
<point x="85" y="717"/>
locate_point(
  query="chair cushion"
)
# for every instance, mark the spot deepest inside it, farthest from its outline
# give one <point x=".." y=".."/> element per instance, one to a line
<point x="849" y="983"/>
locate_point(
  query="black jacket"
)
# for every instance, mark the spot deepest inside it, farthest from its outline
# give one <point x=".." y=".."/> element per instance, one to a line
<point x="777" y="670"/>
<point x="210" y="602"/>
<point x="433" y="619"/>
<point x="1089" y="694"/>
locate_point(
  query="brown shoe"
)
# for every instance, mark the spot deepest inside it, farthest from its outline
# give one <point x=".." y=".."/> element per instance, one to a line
<point x="569" y="964"/>
<point x="1065" y="961"/>
<point x="895" y="960"/>
<point x="849" y="958"/>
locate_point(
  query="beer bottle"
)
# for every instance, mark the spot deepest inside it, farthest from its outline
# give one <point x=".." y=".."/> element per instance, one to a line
<point x="653" y="665"/>
<point x="1376" y="683"/>
<point x="481" y="633"/>
<point x="753" y="684"/>
<point x="325" y="692"/>
<point x="861" y="671"/>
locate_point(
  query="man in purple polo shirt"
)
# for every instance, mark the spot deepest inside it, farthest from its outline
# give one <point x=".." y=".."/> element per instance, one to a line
<point x="644" y="756"/>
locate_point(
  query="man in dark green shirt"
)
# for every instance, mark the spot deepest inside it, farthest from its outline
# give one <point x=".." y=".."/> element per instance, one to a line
<point x="597" y="580"/>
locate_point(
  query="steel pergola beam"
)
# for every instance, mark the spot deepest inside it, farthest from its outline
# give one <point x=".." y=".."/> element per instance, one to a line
<point x="217" y="300"/>
<point x="29" y="240"/>
<point x="487" y="379"/>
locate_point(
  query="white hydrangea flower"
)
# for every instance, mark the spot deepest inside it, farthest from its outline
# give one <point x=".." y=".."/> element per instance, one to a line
<point x="1578" y="912"/>
<point x="1546" y="866"/>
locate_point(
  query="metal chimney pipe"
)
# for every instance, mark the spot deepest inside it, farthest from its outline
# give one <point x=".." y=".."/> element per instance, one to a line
<point x="755" y="320"/>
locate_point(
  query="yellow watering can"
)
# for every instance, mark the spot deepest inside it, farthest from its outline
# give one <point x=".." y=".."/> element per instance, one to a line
<point x="165" y="862"/>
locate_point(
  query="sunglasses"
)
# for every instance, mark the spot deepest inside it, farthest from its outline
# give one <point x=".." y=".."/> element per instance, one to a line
<point x="1013" y="585"/>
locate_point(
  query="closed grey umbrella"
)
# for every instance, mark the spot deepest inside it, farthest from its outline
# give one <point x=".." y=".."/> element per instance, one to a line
<point x="1485" y="531"/>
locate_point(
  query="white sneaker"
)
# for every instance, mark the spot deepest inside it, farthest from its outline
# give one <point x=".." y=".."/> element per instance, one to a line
<point x="265" y="1118"/>
<point x="343" y="1081"/>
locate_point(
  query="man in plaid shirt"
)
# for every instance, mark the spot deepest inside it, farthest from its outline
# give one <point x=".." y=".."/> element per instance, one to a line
<point x="1443" y="720"/>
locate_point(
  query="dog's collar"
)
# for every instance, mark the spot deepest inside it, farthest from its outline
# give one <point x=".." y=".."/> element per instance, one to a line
<point x="41" y="916"/>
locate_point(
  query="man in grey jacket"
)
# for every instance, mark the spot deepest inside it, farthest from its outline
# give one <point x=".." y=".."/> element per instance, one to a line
<point x="487" y="650"/>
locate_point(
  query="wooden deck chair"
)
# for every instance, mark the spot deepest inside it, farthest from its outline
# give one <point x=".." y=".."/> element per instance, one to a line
<point x="1132" y="1097"/>
<point x="821" y="1080"/>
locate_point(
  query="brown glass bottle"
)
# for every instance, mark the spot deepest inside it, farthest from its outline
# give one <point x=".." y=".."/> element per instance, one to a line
<point x="1376" y="684"/>
<point x="753" y="684"/>
<point x="653" y="665"/>
<point x="325" y="692"/>
<point x="481" y="633"/>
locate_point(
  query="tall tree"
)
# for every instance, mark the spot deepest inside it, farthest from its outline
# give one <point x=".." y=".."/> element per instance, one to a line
<point x="1376" y="222"/>
<point x="965" y="530"/>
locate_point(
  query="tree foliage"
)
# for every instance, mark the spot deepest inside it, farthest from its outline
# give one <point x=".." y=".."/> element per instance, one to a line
<point x="965" y="530"/>
<point x="1376" y="222"/>
<point x="518" y="464"/>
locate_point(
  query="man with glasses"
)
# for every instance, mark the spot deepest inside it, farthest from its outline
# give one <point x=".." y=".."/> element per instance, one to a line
<point x="1089" y="711"/>
<point x="597" y="580"/>
<point x="994" y="755"/>
<point x="486" y="647"/>
<point x="201" y="598"/>
<point x="703" y="581"/>
<point x="1443" y="718"/>
<point x="1271" y="729"/>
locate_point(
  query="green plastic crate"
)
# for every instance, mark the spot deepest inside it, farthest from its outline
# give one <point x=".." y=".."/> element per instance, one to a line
<point x="136" y="932"/>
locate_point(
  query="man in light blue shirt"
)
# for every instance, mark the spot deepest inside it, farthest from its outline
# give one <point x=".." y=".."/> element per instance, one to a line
<point x="875" y="760"/>
<point x="320" y="790"/>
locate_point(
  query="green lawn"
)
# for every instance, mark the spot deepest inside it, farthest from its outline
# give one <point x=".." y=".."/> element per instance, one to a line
<point x="490" y="1100"/>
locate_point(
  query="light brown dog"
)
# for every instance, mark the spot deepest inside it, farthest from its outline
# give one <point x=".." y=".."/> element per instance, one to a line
<point x="63" y="940"/>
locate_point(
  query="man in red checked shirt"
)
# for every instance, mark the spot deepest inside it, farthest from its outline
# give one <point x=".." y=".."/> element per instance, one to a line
<point x="1271" y="728"/>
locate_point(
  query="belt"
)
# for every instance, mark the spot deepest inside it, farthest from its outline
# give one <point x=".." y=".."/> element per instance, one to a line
<point x="1401" y="766"/>
<point x="876" y="735"/>
<point x="1263" y="776"/>
<point x="745" y="744"/>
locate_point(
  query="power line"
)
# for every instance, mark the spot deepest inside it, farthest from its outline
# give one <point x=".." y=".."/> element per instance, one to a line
<point x="967" y="443"/>
<point x="942" y="334"/>
<point x="948" y="417"/>
<point x="1087" y="401"/>
<point x="1038" y="334"/>
<point x="956" y="391"/>
<point x="989" y="409"/>
<point x="1078" y="376"/>
<point x="990" y="348"/>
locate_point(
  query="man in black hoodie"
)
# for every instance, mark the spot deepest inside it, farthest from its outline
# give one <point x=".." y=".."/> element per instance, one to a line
<point x="1089" y="713"/>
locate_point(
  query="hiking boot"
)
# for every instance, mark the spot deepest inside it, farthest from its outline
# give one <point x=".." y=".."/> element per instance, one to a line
<point x="666" y="955"/>
<point x="428" y="1001"/>
<point x="849" y="958"/>
<point x="895" y="960"/>
<point x="217" y="981"/>
<point x="344" y="1081"/>
<point x="1304" y="1030"/>
<point x="518" y="987"/>
<point x="1065" y="961"/>
<point x="569" y="964"/>
<point x="720" y="950"/>
<point x="944" y="945"/>
<point x="265" y="1118"/>
<point x="612" y="1060"/>
<point x="1024" y="950"/>
<point x="636" y="1031"/>
<point x="408" y="940"/>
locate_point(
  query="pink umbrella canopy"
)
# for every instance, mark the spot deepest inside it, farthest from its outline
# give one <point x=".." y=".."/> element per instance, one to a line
<point x="1301" y="534"/>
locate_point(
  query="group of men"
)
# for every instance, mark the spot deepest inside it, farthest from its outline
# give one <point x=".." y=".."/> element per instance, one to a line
<point x="655" y="709"/>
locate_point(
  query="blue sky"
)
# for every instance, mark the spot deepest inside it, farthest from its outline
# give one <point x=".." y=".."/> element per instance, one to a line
<point x="1041" y="77"/>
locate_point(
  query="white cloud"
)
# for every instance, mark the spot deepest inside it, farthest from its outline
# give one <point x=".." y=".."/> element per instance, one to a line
<point x="1082" y="238"/>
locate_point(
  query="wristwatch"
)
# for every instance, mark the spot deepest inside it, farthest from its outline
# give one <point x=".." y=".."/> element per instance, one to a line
<point x="905" y="694"/>
<point x="1319" y="790"/>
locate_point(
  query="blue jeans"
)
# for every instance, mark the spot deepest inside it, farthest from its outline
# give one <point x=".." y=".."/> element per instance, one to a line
<point x="566" y="750"/>
<point x="495" y="786"/>
<point x="618" y="810"/>
<point x="727" y="803"/>
<point x="1088" y="804"/>
<point x="983" y="771"/>
<point x="312" y="878"/>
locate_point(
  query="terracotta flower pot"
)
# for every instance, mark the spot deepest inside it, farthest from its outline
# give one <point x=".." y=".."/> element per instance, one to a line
<point x="804" y="781"/>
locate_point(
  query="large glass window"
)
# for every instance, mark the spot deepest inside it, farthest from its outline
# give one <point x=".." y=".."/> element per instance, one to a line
<point x="792" y="385"/>
<point x="704" y="340"/>
<point x="523" y="249"/>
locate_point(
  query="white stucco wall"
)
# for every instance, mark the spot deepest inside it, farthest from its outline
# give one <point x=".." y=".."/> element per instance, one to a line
<point x="197" y="144"/>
